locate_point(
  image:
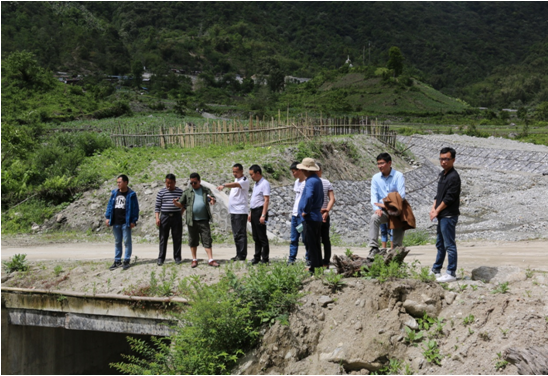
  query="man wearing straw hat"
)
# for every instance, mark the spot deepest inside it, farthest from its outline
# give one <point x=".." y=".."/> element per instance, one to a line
<point x="310" y="207"/>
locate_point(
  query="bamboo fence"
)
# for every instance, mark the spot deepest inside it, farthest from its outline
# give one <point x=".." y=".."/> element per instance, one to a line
<point x="253" y="131"/>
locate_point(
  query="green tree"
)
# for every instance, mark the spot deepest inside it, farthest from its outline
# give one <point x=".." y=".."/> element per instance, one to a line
<point x="542" y="111"/>
<point x="137" y="71"/>
<point x="395" y="60"/>
<point x="21" y="70"/>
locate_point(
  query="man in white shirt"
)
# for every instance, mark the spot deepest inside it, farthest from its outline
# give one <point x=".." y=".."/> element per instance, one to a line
<point x="295" y="235"/>
<point x="258" y="215"/>
<point x="238" y="208"/>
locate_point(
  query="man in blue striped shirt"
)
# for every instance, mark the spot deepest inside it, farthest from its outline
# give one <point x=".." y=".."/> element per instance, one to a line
<point x="386" y="181"/>
<point x="169" y="217"/>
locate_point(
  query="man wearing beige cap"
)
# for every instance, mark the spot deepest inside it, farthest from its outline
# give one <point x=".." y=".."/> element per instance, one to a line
<point x="310" y="207"/>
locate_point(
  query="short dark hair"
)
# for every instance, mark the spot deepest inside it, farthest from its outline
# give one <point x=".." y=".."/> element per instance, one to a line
<point x="385" y="157"/>
<point x="195" y="175"/>
<point x="449" y="150"/>
<point x="171" y="177"/>
<point x="294" y="166"/>
<point x="256" y="169"/>
<point x="124" y="178"/>
<point x="239" y="166"/>
<point x="319" y="165"/>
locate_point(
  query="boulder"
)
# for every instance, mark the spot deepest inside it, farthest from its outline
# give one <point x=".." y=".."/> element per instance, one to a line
<point x="498" y="274"/>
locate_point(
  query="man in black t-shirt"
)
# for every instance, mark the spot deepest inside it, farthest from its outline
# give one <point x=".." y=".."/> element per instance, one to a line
<point x="122" y="215"/>
<point x="446" y="210"/>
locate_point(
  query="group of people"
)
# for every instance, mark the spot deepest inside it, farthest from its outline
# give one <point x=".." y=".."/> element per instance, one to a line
<point x="310" y="220"/>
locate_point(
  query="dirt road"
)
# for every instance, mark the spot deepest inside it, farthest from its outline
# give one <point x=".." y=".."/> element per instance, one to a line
<point x="532" y="254"/>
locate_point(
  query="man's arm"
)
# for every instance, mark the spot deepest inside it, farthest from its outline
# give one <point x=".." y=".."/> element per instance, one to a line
<point x="401" y="186"/>
<point x="136" y="211"/>
<point x="229" y="185"/>
<point x="325" y="212"/>
<point x="265" y="209"/>
<point x="374" y="194"/>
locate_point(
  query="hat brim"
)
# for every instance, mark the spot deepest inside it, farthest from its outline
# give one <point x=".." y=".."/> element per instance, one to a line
<point x="303" y="167"/>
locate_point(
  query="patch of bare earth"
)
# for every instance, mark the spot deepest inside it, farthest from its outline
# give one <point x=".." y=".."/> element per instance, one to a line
<point x="360" y="328"/>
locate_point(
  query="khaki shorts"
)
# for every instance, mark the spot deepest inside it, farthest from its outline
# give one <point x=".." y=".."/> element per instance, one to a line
<point x="199" y="229"/>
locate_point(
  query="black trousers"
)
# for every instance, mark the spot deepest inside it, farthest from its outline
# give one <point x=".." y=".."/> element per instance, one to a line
<point x="173" y="222"/>
<point x="312" y="238"/>
<point x="239" y="231"/>
<point x="262" y="248"/>
<point x="326" y="241"/>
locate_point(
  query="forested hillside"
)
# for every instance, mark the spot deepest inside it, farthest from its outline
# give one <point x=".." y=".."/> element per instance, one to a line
<point x="464" y="49"/>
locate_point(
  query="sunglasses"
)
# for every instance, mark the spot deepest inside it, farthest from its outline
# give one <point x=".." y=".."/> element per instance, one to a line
<point x="194" y="182"/>
<point x="445" y="159"/>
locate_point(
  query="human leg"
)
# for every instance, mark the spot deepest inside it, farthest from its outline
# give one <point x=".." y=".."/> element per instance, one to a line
<point x="448" y="229"/>
<point x="255" y="228"/>
<point x="294" y="244"/>
<point x="312" y="235"/>
<point x="118" y="237"/>
<point x="440" y="246"/>
<point x="177" y="235"/>
<point x="374" y="226"/>
<point x="384" y="234"/>
<point x="239" y="231"/>
<point x="326" y="241"/>
<point x="127" y="242"/>
<point x="164" y="236"/>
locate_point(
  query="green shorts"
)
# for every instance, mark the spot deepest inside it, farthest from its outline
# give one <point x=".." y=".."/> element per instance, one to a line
<point x="199" y="229"/>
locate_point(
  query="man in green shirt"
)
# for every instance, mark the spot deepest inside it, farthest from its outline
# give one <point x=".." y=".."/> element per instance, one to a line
<point x="195" y="202"/>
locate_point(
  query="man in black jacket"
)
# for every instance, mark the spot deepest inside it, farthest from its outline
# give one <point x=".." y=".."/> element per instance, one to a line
<point x="446" y="211"/>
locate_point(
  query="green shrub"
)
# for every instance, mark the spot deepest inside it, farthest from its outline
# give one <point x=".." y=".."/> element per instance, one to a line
<point x="416" y="237"/>
<point x="222" y="321"/>
<point x="17" y="263"/>
<point x="382" y="272"/>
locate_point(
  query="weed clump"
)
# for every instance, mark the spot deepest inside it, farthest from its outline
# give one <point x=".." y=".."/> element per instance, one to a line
<point x="17" y="263"/>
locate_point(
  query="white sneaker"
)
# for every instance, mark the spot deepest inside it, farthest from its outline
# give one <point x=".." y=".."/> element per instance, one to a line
<point x="446" y="278"/>
<point x="437" y="275"/>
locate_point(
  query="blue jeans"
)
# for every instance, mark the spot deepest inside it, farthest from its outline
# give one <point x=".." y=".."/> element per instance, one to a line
<point x="445" y="243"/>
<point x="121" y="231"/>
<point x="384" y="233"/>
<point x="295" y="235"/>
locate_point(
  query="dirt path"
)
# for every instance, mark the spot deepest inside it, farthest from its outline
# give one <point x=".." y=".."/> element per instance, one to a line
<point x="525" y="254"/>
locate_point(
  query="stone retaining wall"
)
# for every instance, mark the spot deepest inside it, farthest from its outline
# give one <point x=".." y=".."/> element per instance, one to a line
<point x="489" y="158"/>
<point x="351" y="214"/>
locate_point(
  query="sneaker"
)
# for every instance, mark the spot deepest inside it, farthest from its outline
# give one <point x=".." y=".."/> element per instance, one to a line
<point x="125" y="266"/>
<point x="115" y="265"/>
<point x="178" y="262"/>
<point x="290" y="262"/>
<point x="255" y="262"/>
<point x="446" y="278"/>
<point x="237" y="258"/>
<point x="436" y="274"/>
<point x="373" y="251"/>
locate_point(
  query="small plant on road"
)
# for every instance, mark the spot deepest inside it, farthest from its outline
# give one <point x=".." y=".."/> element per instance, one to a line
<point x="17" y="263"/>
<point x="57" y="270"/>
<point x="334" y="280"/>
<point x="468" y="320"/>
<point x="504" y="332"/>
<point x="348" y="252"/>
<point x="502" y="288"/>
<point x="529" y="273"/>
<point x="413" y="336"/>
<point x="500" y="363"/>
<point x="432" y="352"/>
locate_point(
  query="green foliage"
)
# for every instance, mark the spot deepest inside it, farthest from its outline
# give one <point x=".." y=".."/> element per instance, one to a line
<point x="348" y="252"/>
<point x="57" y="270"/>
<point x="468" y="320"/>
<point x="17" y="263"/>
<point x="333" y="280"/>
<point x="392" y="368"/>
<point x="502" y="288"/>
<point x="222" y="321"/>
<point x="382" y="272"/>
<point x="416" y="237"/>
<point x="432" y="352"/>
<point x="412" y="336"/>
<point x="500" y="363"/>
<point x="308" y="150"/>
<point x="395" y="60"/>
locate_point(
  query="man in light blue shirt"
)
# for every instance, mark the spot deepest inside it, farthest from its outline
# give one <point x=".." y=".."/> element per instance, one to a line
<point x="386" y="181"/>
